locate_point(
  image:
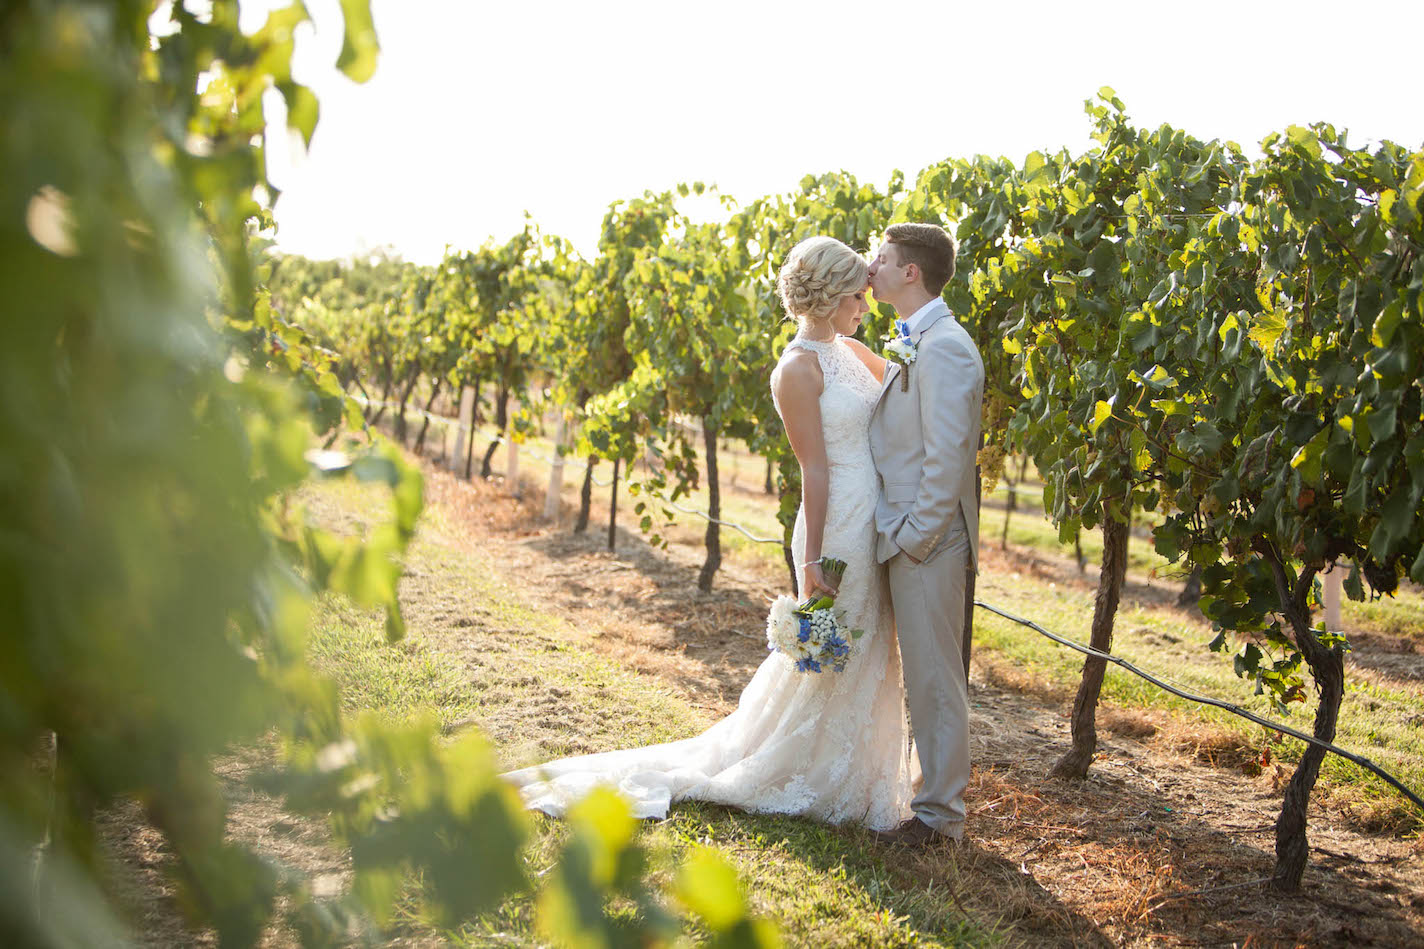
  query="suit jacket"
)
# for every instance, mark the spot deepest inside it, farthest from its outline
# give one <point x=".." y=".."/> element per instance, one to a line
<point x="925" y="441"/>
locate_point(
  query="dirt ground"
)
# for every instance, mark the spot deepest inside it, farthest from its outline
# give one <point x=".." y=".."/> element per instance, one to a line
<point x="1154" y="848"/>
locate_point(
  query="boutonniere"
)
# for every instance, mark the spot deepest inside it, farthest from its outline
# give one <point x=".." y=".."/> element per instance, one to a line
<point x="900" y="349"/>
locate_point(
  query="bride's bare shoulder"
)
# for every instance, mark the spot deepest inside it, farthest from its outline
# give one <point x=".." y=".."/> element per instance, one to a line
<point x="798" y="370"/>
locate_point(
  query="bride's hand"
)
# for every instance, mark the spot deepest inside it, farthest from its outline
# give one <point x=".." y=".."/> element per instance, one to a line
<point x="816" y="584"/>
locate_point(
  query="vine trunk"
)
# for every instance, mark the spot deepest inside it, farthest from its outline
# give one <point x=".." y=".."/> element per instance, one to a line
<point x="585" y="496"/>
<point x="1327" y="665"/>
<point x="613" y="506"/>
<point x="714" y="509"/>
<point x="1075" y="762"/>
<point x="501" y="420"/>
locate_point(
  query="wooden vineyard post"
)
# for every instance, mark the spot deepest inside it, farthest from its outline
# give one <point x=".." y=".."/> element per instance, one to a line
<point x="511" y="471"/>
<point x="556" y="473"/>
<point x="464" y="428"/>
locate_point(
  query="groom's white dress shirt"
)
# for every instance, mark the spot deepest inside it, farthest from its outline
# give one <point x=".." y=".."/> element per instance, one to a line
<point x="920" y="317"/>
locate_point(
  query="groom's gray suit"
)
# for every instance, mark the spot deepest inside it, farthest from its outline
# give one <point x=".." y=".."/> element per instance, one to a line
<point x="925" y="440"/>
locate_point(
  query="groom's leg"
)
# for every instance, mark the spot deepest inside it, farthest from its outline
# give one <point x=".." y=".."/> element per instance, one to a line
<point x="929" y="616"/>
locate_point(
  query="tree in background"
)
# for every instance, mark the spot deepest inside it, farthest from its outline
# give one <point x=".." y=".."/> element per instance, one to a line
<point x="485" y="292"/>
<point x="694" y="329"/>
<point x="1090" y="261"/>
<point x="599" y="359"/>
<point x="1287" y="435"/>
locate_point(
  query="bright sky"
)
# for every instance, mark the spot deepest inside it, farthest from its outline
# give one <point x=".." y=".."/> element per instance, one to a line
<point x="480" y="111"/>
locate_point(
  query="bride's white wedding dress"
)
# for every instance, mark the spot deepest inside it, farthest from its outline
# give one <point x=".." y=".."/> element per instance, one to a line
<point x="827" y="745"/>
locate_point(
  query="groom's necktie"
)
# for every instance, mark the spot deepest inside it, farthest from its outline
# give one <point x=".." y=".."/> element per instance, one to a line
<point x="903" y="327"/>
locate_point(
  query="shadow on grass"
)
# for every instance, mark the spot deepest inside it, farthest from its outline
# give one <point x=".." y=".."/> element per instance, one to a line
<point x="828" y="885"/>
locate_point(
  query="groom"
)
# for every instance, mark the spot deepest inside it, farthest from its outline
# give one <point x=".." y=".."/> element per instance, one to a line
<point x="924" y="434"/>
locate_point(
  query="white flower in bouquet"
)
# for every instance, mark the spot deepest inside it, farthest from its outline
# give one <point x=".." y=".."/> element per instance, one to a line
<point x="811" y="634"/>
<point x="783" y="628"/>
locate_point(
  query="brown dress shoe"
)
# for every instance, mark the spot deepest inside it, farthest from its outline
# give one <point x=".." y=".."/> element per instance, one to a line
<point x="913" y="832"/>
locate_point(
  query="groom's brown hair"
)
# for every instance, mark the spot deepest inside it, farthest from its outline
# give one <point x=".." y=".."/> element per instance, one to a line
<point x="927" y="246"/>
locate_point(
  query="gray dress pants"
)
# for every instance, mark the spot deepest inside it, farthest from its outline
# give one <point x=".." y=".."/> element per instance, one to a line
<point x="928" y="598"/>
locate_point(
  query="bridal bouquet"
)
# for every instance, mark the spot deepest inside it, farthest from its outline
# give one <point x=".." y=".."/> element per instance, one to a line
<point x="812" y="633"/>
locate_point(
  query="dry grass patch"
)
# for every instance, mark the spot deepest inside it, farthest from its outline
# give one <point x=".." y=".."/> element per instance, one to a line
<point x="1007" y="675"/>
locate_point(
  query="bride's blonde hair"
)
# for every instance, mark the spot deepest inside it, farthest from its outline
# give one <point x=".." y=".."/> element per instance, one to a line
<point x="817" y="274"/>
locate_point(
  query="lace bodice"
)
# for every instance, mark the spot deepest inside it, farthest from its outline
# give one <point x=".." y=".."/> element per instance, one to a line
<point x="848" y="395"/>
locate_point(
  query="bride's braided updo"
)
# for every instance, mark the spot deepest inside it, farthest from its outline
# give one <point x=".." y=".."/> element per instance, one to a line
<point x="818" y="273"/>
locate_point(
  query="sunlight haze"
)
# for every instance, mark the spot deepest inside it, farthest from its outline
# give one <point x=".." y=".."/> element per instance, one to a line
<point x="479" y="112"/>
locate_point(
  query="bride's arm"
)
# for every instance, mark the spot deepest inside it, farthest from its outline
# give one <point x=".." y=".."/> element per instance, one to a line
<point x="797" y="385"/>
<point x="876" y="364"/>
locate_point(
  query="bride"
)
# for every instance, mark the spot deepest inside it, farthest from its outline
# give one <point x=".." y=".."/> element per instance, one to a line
<point x="829" y="745"/>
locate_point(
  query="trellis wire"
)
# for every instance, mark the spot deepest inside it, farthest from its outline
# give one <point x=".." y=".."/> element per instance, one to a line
<point x="1206" y="700"/>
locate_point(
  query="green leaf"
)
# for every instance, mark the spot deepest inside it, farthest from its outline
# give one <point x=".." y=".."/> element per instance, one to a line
<point x="1155" y="378"/>
<point x="1266" y="330"/>
<point x="1387" y="323"/>
<point x="1304" y="138"/>
<point x="1202" y="440"/>
<point x="1172" y="407"/>
<point x="302" y="110"/>
<point x="603" y="820"/>
<point x="1227" y="325"/>
<point x="1308" y="457"/>
<point x="1354" y="500"/>
<point x="1382" y="422"/>
<point x="1354" y="589"/>
<point x="359" y="46"/>
<point x="1396" y="522"/>
<point x="1248" y="661"/>
<point x="1102" y="411"/>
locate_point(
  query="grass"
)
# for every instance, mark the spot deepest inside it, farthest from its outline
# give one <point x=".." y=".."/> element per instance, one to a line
<point x="1400" y="615"/>
<point x="475" y="654"/>
<point x="478" y="655"/>
<point x="822" y="885"/>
